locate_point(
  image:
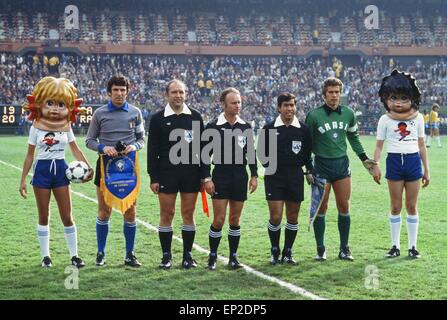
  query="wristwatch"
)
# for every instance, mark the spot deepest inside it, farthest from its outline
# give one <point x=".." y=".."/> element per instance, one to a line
<point x="208" y="179"/>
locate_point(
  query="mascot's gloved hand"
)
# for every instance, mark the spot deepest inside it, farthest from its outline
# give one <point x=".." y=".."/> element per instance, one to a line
<point x="369" y="164"/>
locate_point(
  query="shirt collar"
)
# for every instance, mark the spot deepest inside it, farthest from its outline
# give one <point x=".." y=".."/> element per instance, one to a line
<point x="169" y="111"/>
<point x="112" y="107"/>
<point x="329" y="110"/>
<point x="295" y="122"/>
<point x="222" y="120"/>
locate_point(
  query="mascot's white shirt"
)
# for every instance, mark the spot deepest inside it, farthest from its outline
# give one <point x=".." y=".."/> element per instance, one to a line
<point x="50" y="145"/>
<point x="401" y="136"/>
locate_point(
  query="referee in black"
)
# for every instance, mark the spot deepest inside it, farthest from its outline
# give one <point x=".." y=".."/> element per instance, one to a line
<point x="169" y="177"/>
<point x="229" y="182"/>
<point x="286" y="185"/>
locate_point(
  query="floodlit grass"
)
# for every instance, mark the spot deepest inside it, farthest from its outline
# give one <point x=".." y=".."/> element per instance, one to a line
<point x="400" y="278"/>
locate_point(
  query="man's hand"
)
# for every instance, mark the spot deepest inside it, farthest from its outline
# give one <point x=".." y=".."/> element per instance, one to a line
<point x="130" y="148"/>
<point x="253" y="184"/>
<point x="110" y="151"/>
<point x="209" y="187"/>
<point x="89" y="176"/>
<point x="155" y="187"/>
<point x="373" y="168"/>
<point x="369" y="163"/>
<point x="310" y="178"/>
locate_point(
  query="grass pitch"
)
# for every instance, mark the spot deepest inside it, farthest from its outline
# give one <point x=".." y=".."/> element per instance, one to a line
<point x="370" y="276"/>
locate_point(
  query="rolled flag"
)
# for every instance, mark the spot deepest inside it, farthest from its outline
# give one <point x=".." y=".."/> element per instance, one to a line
<point x="205" y="207"/>
<point x="317" y="195"/>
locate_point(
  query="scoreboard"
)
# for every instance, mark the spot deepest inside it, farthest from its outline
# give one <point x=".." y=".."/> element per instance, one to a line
<point x="10" y="117"/>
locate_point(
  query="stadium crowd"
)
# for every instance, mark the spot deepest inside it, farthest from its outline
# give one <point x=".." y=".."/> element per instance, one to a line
<point x="229" y="22"/>
<point x="260" y="79"/>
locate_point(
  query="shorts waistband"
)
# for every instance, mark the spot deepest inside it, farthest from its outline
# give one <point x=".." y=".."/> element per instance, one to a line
<point x="403" y="154"/>
<point x="338" y="158"/>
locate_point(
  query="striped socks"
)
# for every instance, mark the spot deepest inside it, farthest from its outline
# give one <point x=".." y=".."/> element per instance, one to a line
<point x="71" y="236"/>
<point x="188" y="235"/>
<point x="234" y="235"/>
<point x="274" y="234"/>
<point x="412" y="229"/>
<point x="395" y="226"/>
<point x="43" y="234"/>
<point x="214" y="239"/>
<point x="165" y="236"/>
<point x="290" y="235"/>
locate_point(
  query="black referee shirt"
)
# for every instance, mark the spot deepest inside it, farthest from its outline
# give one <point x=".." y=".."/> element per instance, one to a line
<point x="159" y="145"/>
<point x="294" y="143"/>
<point x="222" y="125"/>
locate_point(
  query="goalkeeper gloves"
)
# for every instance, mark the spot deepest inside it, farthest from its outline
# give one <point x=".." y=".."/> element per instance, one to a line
<point x="369" y="164"/>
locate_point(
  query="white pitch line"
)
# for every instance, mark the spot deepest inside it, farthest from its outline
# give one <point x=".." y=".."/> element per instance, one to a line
<point x="293" y="288"/>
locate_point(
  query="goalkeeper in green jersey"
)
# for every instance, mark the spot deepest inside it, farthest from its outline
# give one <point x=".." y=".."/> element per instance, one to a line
<point x="330" y="126"/>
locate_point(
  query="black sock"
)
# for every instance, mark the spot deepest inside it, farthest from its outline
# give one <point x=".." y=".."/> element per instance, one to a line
<point x="165" y="235"/>
<point x="274" y="234"/>
<point x="290" y="235"/>
<point x="234" y="235"/>
<point x="188" y="235"/>
<point x="214" y="238"/>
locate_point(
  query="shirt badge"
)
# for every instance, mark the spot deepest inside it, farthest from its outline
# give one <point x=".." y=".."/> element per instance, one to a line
<point x="296" y="146"/>
<point x="241" y="141"/>
<point x="189" y="135"/>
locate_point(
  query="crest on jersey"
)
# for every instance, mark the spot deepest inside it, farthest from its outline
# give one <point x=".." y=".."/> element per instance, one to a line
<point x="296" y="146"/>
<point x="241" y="141"/>
<point x="189" y="135"/>
<point x="335" y="135"/>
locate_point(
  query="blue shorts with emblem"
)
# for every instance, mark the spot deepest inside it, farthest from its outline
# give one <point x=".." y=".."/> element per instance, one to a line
<point x="435" y="125"/>
<point x="50" y="174"/>
<point x="403" y="166"/>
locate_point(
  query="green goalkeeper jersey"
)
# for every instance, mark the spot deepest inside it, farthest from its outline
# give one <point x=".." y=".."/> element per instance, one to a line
<point x="329" y="130"/>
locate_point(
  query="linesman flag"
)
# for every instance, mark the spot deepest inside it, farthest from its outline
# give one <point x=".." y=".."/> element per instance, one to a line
<point x="205" y="207"/>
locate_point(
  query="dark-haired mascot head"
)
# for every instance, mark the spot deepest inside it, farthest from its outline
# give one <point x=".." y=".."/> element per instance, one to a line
<point x="400" y="83"/>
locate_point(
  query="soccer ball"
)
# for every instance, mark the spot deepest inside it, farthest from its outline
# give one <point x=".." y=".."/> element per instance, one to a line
<point x="77" y="171"/>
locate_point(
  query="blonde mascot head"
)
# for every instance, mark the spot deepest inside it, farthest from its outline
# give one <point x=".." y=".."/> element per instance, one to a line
<point x="53" y="104"/>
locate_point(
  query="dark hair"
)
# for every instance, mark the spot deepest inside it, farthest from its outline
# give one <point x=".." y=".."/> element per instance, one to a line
<point x="118" y="80"/>
<point x="224" y="93"/>
<point x="435" y="105"/>
<point x="284" y="97"/>
<point x="172" y="81"/>
<point x="401" y="83"/>
<point x="331" y="82"/>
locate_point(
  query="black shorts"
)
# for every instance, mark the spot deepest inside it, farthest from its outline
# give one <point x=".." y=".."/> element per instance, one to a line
<point x="287" y="184"/>
<point x="230" y="182"/>
<point x="182" y="178"/>
<point x="332" y="169"/>
<point x="98" y="172"/>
